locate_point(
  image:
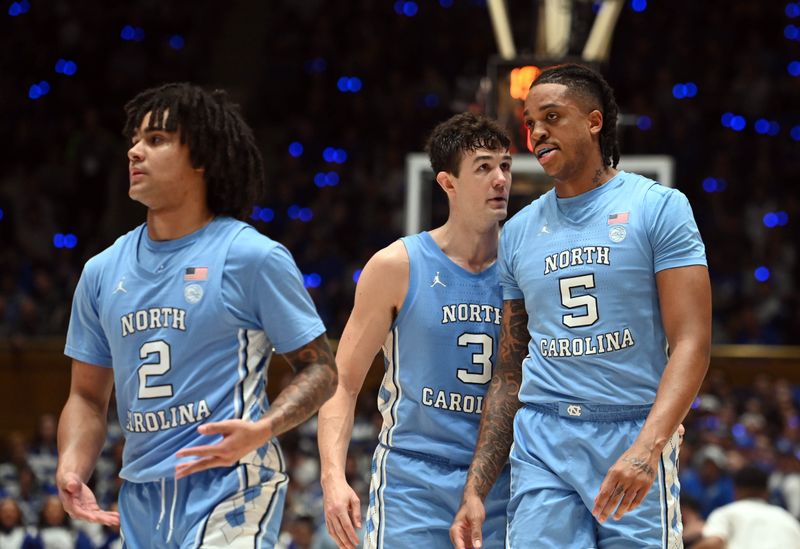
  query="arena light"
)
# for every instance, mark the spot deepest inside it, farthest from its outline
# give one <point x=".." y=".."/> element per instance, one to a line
<point x="19" y="8"/>
<point x="312" y="280"/>
<point x="296" y="149"/>
<point x="521" y="79"/>
<point x="644" y="123"/>
<point x="305" y="215"/>
<point x="761" y="126"/>
<point x="638" y="5"/>
<point x="176" y="42"/>
<point x="762" y="274"/>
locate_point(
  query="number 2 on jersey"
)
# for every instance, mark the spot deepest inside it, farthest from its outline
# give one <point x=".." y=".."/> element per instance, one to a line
<point x="482" y="358"/>
<point x="153" y="369"/>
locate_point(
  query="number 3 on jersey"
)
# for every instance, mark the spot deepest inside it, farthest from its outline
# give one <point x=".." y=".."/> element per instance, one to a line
<point x="483" y="358"/>
<point x="152" y="369"/>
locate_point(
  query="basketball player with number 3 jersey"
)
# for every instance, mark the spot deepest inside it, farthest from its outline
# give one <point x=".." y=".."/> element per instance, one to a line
<point x="432" y="302"/>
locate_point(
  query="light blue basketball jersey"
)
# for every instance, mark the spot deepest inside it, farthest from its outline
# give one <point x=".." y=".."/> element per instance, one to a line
<point x="439" y="355"/>
<point x="586" y="267"/>
<point x="189" y="326"/>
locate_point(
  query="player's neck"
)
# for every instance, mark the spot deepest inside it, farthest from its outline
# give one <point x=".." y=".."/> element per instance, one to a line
<point x="169" y="224"/>
<point x="470" y="247"/>
<point x="591" y="177"/>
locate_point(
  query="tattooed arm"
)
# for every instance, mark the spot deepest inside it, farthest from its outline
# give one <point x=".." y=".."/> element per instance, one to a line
<point x="496" y="431"/>
<point x="314" y="382"/>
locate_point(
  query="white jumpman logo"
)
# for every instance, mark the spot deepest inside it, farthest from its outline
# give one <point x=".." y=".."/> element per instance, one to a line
<point x="120" y="288"/>
<point x="437" y="280"/>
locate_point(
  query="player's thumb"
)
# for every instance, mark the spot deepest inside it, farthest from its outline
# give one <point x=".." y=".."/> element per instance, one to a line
<point x="355" y="505"/>
<point x="475" y="534"/>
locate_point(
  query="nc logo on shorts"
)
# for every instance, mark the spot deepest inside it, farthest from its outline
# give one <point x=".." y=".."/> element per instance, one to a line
<point x="193" y="293"/>
<point x="617" y="233"/>
<point x="574" y="410"/>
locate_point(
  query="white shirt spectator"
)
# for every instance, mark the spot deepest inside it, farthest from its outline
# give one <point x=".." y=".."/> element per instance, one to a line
<point x="753" y="524"/>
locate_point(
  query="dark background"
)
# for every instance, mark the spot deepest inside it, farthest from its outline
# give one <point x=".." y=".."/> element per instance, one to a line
<point x="63" y="169"/>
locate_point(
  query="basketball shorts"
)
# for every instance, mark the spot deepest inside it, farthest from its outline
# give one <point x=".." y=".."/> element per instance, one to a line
<point x="560" y="456"/>
<point x="414" y="498"/>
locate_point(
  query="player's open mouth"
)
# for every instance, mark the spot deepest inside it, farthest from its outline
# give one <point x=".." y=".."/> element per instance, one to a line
<point x="543" y="152"/>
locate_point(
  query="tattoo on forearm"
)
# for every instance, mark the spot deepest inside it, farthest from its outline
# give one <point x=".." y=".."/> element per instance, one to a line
<point x="502" y="401"/>
<point x="314" y="382"/>
<point x="641" y="466"/>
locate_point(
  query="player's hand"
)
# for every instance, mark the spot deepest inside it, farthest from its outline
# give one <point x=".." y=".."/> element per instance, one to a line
<point x="239" y="438"/>
<point x="342" y="513"/>
<point x="465" y="532"/>
<point x="79" y="501"/>
<point x="627" y="482"/>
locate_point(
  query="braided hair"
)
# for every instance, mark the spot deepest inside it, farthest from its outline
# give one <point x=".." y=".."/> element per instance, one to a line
<point x="589" y="86"/>
<point x="219" y="141"/>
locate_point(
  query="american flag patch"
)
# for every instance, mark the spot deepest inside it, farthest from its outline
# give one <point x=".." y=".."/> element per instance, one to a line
<point x="621" y="217"/>
<point x="196" y="273"/>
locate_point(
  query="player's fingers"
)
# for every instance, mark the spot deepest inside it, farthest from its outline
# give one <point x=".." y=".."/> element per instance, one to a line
<point x="640" y="495"/>
<point x="199" y="451"/>
<point x="457" y="534"/>
<point x="339" y="534"/>
<point x="185" y="469"/>
<point x="612" y="503"/>
<point x="475" y="534"/>
<point x="606" y="490"/>
<point x="625" y="504"/>
<point x="215" y="428"/>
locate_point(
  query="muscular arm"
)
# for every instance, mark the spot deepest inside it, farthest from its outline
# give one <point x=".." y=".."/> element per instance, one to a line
<point x="501" y="403"/>
<point x="82" y="426"/>
<point x="685" y="297"/>
<point x="381" y="290"/>
<point x="314" y="382"/>
<point x="81" y="434"/>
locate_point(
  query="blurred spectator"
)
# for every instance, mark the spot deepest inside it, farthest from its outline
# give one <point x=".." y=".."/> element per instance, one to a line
<point x="750" y="522"/>
<point x="13" y="535"/>
<point x="708" y="482"/>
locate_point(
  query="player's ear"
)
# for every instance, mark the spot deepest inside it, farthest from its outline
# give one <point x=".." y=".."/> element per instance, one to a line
<point x="595" y="119"/>
<point x="446" y="182"/>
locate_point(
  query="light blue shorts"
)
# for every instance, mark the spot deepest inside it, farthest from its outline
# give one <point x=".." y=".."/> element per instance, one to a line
<point x="413" y="500"/>
<point x="559" y="459"/>
<point x="238" y="506"/>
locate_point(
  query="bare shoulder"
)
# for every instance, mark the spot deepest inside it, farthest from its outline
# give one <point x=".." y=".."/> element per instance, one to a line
<point x="390" y="261"/>
<point x="385" y="276"/>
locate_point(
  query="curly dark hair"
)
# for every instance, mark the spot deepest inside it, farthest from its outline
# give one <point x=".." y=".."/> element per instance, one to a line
<point x="589" y="86"/>
<point x="462" y="133"/>
<point x="219" y="141"/>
